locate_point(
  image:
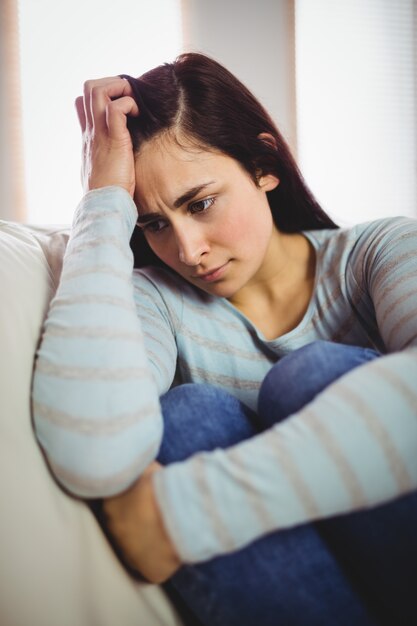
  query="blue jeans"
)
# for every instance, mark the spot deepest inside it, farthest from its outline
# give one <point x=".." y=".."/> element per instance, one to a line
<point x="355" y="570"/>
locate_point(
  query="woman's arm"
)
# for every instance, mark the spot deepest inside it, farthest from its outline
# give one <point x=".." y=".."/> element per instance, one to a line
<point x="95" y="402"/>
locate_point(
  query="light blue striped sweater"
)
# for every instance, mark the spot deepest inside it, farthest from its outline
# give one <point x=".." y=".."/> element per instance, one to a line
<point x="114" y="339"/>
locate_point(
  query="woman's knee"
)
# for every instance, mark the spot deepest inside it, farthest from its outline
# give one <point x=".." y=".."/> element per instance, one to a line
<point x="201" y="417"/>
<point x="298" y="377"/>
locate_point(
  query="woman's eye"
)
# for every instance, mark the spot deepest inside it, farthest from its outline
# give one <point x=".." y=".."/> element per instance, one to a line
<point x="154" y="227"/>
<point x="201" y="205"/>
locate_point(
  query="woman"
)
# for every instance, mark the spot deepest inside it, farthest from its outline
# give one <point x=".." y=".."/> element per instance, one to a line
<point x="253" y="308"/>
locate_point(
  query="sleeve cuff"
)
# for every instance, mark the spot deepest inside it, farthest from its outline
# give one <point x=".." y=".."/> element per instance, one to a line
<point x="105" y="199"/>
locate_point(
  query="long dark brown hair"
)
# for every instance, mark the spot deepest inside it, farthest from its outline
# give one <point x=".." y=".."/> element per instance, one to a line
<point x="199" y="98"/>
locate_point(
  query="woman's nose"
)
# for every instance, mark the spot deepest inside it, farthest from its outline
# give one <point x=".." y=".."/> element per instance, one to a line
<point x="191" y="246"/>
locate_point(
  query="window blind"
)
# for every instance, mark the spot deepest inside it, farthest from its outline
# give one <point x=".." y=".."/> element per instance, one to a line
<point x="356" y="105"/>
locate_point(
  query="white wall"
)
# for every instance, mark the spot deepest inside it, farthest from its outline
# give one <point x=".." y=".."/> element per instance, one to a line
<point x="76" y="41"/>
<point x="255" y="41"/>
<point x="356" y="104"/>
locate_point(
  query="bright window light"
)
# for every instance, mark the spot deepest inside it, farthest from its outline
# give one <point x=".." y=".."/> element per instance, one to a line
<point x="63" y="44"/>
<point x="356" y="106"/>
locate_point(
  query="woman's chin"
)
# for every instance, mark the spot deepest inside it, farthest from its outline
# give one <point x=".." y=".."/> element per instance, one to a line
<point x="219" y="289"/>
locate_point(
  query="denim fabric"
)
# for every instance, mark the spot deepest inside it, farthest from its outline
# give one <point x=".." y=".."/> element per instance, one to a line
<point x="298" y="377"/>
<point x="353" y="570"/>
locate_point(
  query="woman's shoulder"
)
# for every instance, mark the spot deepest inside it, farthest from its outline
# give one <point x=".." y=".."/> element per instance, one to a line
<point x="386" y="227"/>
<point x="384" y="240"/>
<point x="377" y="232"/>
<point x="365" y="246"/>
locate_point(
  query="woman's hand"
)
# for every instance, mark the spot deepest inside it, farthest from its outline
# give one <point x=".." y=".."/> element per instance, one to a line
<point x="107" y="147"/>
<point x="135" y="523"/>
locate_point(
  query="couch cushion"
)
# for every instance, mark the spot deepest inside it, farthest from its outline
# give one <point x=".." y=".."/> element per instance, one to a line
<point x="56" y="567"/>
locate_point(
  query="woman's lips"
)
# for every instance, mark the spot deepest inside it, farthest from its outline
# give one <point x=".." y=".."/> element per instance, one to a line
<point x="212" y="275"/>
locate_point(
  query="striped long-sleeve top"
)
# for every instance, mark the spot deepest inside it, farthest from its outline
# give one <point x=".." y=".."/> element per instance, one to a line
<point x="115" y="337"/>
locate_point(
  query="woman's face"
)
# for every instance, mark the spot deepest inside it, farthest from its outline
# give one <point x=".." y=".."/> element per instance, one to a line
<point x="203" y="215"/>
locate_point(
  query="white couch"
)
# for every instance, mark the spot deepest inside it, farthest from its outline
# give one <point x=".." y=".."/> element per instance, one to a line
<point x="56" y="567"/>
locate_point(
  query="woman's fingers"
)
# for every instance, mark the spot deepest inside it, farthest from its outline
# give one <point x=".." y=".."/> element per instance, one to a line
<point x="99" y="94"/>
<point x="96" y="108"/>
<point x="107" y="157"/>
<point x="117" y="112"/>
<point x="79" y="107"/>
<point x="87" y="88"/>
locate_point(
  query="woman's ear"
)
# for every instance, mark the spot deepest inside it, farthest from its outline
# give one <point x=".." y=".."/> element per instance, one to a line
<point x="267" y="182"/>
<point x="268" y="139"/>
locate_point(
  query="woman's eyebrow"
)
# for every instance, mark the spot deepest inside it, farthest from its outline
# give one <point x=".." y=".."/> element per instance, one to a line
<point x="148" y="217"/>
<point x="185" y="197"/>
<point x="190" y="194"/>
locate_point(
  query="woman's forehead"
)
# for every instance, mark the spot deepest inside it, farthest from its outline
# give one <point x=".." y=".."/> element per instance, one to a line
<point x="167" y="160"/>
<point x="176" y="146"/>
